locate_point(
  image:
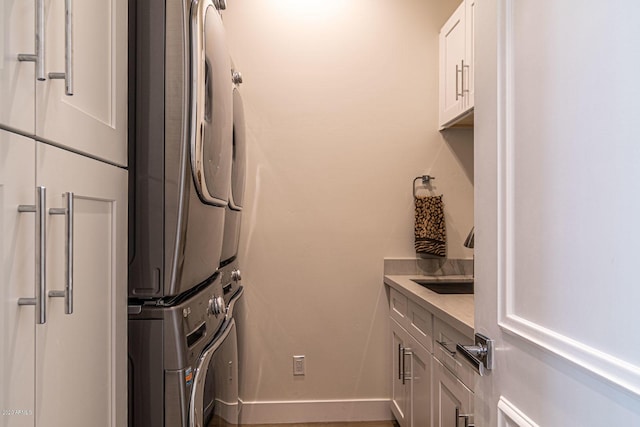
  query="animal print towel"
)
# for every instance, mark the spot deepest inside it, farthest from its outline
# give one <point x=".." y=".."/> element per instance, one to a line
<point x="430" y="233"/>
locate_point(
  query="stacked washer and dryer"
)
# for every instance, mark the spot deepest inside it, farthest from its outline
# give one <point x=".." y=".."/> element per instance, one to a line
<point x="187" y="176"/>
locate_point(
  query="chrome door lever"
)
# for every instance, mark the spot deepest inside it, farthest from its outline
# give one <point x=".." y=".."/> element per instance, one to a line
<point x="480" y="355"/>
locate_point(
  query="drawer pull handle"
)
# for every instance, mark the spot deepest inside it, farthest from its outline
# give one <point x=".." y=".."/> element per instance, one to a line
<point x="406" y="352"/>
<point x="400" y="353"/>
<point x="67" y="294"/>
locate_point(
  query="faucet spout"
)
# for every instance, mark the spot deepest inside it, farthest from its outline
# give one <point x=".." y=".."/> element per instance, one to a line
<point x="468" y="242"/>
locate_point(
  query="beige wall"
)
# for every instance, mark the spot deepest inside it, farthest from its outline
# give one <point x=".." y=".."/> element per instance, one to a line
<point x="341" y="104"/>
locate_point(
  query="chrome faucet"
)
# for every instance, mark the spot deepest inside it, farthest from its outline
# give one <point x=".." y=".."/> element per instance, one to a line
<point x="468" y="242"/>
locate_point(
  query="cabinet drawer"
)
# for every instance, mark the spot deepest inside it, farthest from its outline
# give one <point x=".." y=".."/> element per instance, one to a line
<point x="398" y="307"/>
<point x="420" y="325"/>
<point x="446" y="337"/>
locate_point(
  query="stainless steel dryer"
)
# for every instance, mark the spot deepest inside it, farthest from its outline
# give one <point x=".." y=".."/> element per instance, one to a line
<point x="180" y="144"/>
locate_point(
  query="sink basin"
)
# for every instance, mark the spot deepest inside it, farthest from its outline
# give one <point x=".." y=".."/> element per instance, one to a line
<point x="446" y="287"/>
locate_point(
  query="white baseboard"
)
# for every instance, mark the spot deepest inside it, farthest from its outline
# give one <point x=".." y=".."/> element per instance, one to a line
<point x="312" y="411"/>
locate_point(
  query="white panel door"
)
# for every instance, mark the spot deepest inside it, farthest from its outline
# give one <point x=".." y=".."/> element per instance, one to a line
<point x="81" y="369"/>
<point x="557" y="208"/>
<point x="94" y="119"/>
<point x="17" y="280"/>
<point x="17" y="78"/>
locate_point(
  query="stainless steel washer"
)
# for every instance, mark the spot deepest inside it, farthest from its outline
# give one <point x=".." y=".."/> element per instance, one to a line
<point x="183" y="361"/>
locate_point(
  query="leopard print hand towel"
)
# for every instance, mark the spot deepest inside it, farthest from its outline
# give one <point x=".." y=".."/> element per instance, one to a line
<point x="430" y="233"/>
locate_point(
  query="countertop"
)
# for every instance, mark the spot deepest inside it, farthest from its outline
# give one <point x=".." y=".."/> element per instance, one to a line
<point x="456" y="309"/>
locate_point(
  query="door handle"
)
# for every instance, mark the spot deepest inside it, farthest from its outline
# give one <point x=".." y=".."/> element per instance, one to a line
<point x="68" y="50"/>
<point x="480" y="355"/>
<point x="67" y="294"/>
<point x="41" y="256"/>
<point x="37" y="57"/>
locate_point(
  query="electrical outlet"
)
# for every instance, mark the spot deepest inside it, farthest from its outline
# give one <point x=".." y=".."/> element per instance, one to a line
<point x="298" y="365"/>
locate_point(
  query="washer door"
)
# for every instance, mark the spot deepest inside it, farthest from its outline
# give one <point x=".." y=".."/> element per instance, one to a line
<point x="221" y="357"/>
<point x="211" y="105"/>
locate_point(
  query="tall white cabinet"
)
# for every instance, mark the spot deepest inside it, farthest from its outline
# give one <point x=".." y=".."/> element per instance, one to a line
<point x="63" y="255"/>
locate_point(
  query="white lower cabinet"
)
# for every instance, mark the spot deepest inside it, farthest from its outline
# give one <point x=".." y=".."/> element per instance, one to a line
<point x="428" y="381"/>
<point x="452" y="400"/>
<point x="411" y="385"/>
<point x="64" y="358"/>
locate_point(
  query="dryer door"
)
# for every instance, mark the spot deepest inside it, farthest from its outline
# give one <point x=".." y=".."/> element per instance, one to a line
<point x="211" y="105"/>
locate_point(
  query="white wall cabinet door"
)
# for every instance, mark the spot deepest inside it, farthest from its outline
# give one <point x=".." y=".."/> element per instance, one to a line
<point x="81" y="366"/>
<point x="452" y="55"/>
<point x="17" y="257"/>
<point x="94" y="119"/>
<point x="451" y="398"/>
<point x="469" y="53"/>
<point x="17" y="78"/>
<point x="457" y="89"/>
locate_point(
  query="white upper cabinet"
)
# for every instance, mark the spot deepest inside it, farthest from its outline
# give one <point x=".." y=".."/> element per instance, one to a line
<point x="85" y="110"/>
<point x="71" y="89"/>
<point x="456" y="67"/>
<point x="17" y="78"/>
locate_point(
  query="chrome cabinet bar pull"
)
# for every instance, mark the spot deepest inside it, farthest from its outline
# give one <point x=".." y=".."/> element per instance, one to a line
<point x="406" y="352"/>
<point x="39" y="209"/>
<point x="457" y="84"/>
<point x="466" y="418"/>
<point x="67" y="294"/>
<point x="400" y="353"/>
<point x="37" y="57"/>
<point x="68" y="50"/>
<point x="462" y="77"/>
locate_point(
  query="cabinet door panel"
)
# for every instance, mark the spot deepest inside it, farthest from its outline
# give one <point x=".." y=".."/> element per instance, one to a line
<point x="470" y="20"/>
<point x="81" y="357"/>
<point x="17" y="280"/>
<point x="452" y="52"/>
<point x="94" y="119"/>
<point x="420" y="375"/>
<point x="17" y="79"/>
<point x="449" y="394"/>
<point x="399" y="391"/>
